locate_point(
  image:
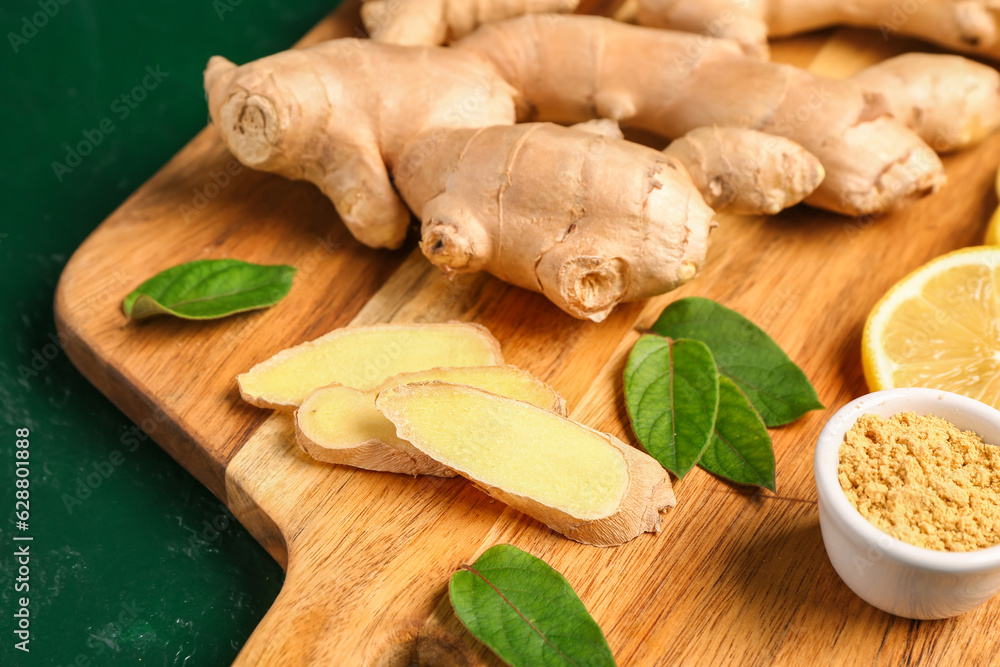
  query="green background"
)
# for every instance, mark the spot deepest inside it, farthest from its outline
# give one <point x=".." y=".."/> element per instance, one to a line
<point x="150" y="568"/>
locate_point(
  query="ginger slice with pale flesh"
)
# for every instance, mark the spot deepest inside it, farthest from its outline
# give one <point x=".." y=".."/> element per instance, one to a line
<point x="587" y="485"/>
<point x="338" y="424"/>
<point x="363" y="358"/>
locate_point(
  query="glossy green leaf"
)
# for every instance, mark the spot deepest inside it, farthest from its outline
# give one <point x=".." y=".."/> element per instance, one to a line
<point x="209" y="288"/>
<point x="741" y="448"/>
<point x="672" y="395"/>
<point x="778" y="389"/>
<point x="526" y="612"/>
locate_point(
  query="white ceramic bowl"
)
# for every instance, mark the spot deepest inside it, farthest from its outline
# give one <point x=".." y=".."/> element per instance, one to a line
<point x="888" y="573"/>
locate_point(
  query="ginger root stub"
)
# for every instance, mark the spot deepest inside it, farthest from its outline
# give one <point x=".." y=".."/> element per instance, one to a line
<point x="587" y="485"/>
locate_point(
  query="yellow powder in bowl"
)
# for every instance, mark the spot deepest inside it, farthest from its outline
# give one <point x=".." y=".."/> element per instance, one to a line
<point x="924" y="481"/>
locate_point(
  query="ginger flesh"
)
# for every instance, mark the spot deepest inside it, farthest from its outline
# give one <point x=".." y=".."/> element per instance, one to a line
<point x="585" y="484"/>
<point x="363" y="358"/>
<point x="501" y="444"/>
<point x="339" y="417"/>
<point x="338" y="424"/>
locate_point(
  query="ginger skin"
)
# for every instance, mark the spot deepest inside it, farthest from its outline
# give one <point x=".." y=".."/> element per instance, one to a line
<point x="746" y="172"/>
<point x="738" y="170"/>
<point x="966" y="26"/>
<point x="432" y="22"/>
<point x="950" y="101"/>
<point x="870" y="166"/>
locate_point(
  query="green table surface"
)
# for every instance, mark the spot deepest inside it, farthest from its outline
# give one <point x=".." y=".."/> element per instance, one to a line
<point x="149" y="567"/>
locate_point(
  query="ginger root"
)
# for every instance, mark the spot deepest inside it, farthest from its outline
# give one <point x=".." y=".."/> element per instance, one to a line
<point x="313" y="114"/>
<point x="737" y="170"/>
<point x="949" y="101"/>
<point x="324" y="123"/>
<point x="672" y="83"/>
<point x="364" y="358"/>
<point x="742" y="171"/>
<point x="584" y="217"/>
<point x="588" y="221"/>
<point x="587" y="485"/>
<point x="970" y="26"/>
<point x="338" y="424"/>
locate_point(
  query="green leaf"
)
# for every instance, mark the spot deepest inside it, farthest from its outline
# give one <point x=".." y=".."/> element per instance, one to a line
<point x="740" y="449"/>
<point x="526" y="612"/>
<point x="209" y="288"/>
<point x="746" y="355"/>
<point x="672" y="395"/>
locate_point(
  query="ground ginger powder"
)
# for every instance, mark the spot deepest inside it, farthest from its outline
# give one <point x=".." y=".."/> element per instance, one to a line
<point x="923" y="481"/>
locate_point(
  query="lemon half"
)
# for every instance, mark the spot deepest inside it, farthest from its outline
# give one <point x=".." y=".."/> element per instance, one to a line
<point x="939" y="327"/>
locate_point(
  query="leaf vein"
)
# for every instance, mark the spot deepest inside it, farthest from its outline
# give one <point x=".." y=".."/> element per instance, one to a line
<point x="518" y="611"/>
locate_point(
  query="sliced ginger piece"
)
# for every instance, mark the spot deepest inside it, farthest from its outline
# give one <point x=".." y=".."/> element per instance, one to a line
<point x="363" y="358"/>
<point x="587" y="485"/>
<point x="338" y="424"/>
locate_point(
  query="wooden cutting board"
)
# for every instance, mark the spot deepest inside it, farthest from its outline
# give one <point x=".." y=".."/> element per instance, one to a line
<point x="734" y="578"/>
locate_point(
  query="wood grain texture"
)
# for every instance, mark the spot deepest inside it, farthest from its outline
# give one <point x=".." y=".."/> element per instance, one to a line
<point x="732" y="579"/>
